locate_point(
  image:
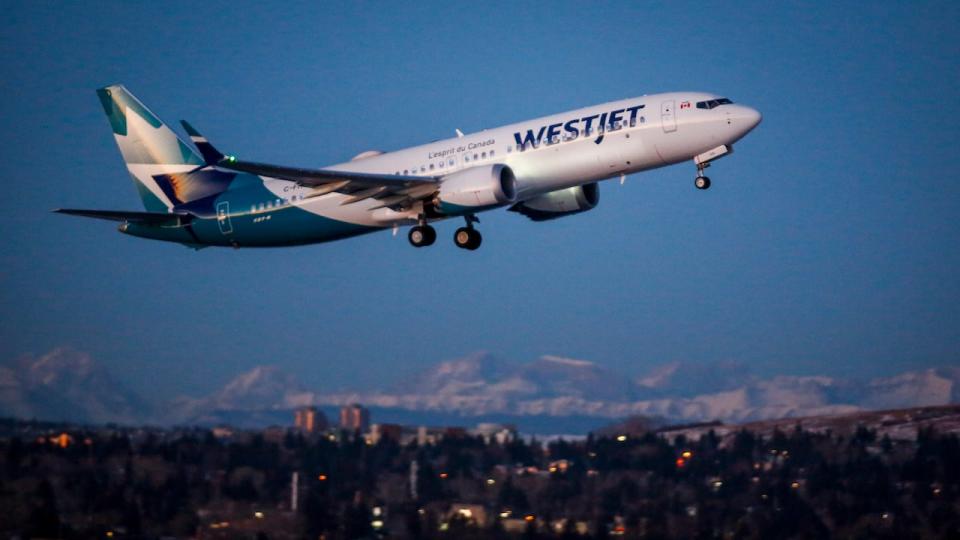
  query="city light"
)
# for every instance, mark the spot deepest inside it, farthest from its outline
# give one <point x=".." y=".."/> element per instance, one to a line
<point x="491" y="481"/>
<point x="322" y="477"/>
<point x="621" y="438"/>
<point x="258" y="515"/>
<point x="687" y="454"/>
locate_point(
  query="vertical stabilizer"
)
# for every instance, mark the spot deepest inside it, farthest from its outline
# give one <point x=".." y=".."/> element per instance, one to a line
<point x="165" y="170"/>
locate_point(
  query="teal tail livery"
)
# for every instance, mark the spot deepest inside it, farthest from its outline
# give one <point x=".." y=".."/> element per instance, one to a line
<point x="544" y="168"/>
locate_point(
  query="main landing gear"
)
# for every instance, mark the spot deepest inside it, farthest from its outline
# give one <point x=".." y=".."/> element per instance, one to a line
<point x="423" y="235"/>
<point x="468" y="237"/>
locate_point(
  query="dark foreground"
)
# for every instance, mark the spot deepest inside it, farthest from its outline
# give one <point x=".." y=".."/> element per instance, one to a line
<point x="63" y="482"/>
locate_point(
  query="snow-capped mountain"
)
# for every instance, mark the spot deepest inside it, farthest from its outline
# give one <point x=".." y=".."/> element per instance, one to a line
<point x="263" y="388"/>
<point x="555" y="386"/>
<point x="685" y="379"/>
<point x="66" y="385"/>
<point x="914" y="389"/>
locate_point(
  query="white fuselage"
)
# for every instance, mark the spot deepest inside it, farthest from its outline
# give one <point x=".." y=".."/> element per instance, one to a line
<point x="668" y="129"/>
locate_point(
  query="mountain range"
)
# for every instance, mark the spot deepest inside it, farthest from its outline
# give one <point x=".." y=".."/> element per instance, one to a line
<point x="68" y="385"/>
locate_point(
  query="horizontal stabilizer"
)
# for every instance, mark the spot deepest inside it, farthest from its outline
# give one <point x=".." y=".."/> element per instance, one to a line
<point x="150" y="218"/>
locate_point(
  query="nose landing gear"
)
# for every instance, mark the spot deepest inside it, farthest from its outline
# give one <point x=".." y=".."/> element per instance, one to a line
<point x="701" y="181"/>
<point x="703" y="161"/>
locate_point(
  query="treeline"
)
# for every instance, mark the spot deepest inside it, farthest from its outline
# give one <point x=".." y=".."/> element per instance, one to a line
<point x="794" y="484"/>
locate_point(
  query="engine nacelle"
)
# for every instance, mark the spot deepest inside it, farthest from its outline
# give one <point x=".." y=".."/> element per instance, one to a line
<point x="560" y="203"/>
<point x="476" y="188"/>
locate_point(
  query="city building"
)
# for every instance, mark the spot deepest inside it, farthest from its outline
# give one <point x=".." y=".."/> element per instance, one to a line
<point x="309" y="420"/>
<point x="355" y="417"/>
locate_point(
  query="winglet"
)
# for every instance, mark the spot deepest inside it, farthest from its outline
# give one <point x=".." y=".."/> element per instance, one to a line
<point x="210" y="154"/>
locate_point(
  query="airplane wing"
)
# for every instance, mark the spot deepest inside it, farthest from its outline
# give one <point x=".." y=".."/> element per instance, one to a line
<point x="392" y="190"/>
<point x="152" y="218"/>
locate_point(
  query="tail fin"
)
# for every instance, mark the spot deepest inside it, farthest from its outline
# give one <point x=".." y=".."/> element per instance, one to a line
<point x="164" y="169"/>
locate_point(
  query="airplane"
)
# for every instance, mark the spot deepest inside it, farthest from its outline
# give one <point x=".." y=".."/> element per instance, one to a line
<point x="545" y="168"/>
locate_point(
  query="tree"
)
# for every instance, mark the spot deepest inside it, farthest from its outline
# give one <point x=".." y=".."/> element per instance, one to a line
<point x="44" y="521"/>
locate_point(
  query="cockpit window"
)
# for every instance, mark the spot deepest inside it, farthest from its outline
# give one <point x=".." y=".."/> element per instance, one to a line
<point x="713" y="103"/>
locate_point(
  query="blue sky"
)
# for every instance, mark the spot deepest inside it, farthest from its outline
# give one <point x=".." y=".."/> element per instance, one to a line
<point x="828" y="243"/>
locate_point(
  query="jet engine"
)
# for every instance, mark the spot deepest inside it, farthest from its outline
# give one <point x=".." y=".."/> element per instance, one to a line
<point x="560" y="203"/>
<point x="476" y="188"/>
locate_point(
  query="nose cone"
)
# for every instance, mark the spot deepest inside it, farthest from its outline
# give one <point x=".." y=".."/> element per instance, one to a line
<point x="743" y="119"/>
<point x="751" y="117"/>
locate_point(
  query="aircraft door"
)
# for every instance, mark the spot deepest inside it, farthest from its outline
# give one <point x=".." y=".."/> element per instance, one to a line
<point x="668" y="117"/>
<point x="223" y="217"/>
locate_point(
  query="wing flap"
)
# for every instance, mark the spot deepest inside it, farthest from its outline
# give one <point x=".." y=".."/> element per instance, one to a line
<point x="320" y="177"/>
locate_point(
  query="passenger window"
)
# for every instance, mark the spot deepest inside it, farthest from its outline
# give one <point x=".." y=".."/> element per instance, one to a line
<point x="475" y="157"/>
<point x="509" y="149"/>
<point x="451" y="163"/>
<point x="431" y="166"/>
<point x="423" y="169"/>
<point x="466" y="157"/>
<point x="484" y="155"/>
<point x="491" y="153"/>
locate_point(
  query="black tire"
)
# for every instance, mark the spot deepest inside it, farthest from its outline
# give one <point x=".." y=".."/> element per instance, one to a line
<point x="431" y="235"/>
<point x="467" y="238"/>
<point x="702" y="182"/>
<point x="462" y="237"/>
<point x="422" y="235"/>
<point x="475" y="240"/>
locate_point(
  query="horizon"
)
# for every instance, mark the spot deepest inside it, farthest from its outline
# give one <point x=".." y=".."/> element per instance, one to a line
<point x="392" y="380"/>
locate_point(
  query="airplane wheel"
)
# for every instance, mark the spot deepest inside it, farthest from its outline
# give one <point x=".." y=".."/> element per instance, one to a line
<point x="467" y="238"/>
<point x="422" y="235"/>
<point x="702" y="182"/>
